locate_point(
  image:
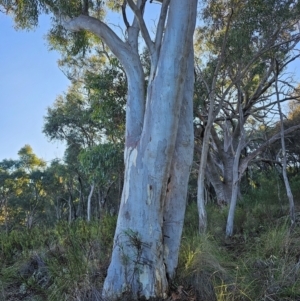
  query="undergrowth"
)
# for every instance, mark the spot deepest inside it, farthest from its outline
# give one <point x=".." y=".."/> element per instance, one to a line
<point x="260" y="262"/>
<point x="64" y="263"/>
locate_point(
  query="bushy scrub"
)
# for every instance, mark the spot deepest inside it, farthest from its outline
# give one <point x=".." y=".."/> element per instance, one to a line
<point x="62" y="263"/>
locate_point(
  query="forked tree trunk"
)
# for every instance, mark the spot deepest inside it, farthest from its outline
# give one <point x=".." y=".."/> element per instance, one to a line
<point x="158" y="148"/>
<point x="215" y="179"/>
<point x="153" y="187"/>
<point x="221" y="178"/>
<point x="212" y="113"/>
<point x="235" y="170"/>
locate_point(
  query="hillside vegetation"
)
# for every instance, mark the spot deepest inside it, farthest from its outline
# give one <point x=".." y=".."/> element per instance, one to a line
<point x="259" y="262"/>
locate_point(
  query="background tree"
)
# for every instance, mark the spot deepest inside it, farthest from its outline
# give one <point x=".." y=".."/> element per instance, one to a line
<point x="22" y="188"/>
<point x="244" y="82"/>
<point x="91" y="113"/>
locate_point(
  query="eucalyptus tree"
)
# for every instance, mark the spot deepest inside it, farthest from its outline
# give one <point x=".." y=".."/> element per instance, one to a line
<point x="8" y="187"/>
<point x="22" y="188"/>
<point x="240" y="79"/>
<point x="103" y="164"/>
<point x="158" y="135"/>
<point x="293" y="141"/>
<point x="90" y="113"/>
<point x="60" y="182"/>
<point x="69" y="120"/>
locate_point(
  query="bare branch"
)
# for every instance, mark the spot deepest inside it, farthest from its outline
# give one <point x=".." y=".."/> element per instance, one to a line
<point x="144" y="31"/>
<point x="124" y="14"/>
<point x="246" y="161"/>
<point x="161" y="24"/>
<point x="274" y="102"/>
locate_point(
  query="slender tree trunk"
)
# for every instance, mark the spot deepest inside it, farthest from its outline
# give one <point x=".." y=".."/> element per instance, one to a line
<point x="212" y="113"/>
<point x="235" y="171"/>
<point x="70" y="209"/>
<point x="80" y="206"/>
<point x="202" y="168"/>
<point x="89" y="202"/>
<point x="284" y="164"/>
<point x="235" y="188"/>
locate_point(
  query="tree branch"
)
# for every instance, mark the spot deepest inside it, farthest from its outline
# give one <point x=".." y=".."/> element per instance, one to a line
<point x="124" y="14"/>
<point x="144" y="31"/>
<point x="246" y="161"/>
<point x="161" y="24"/>
<point x="274" y="102"/>
<point x="100" y="29"/>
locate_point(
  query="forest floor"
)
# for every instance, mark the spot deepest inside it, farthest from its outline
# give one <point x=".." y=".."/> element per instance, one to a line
<point x="261" y="261"/>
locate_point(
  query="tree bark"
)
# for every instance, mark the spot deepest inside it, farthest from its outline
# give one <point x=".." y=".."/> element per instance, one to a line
<point x="70" y="210"/>
<point x="157" y="154"/>
<point x="213" y="177"/>
<point x="284" y="164"/>
<point x="89" y="202"/>
<point x="140" y="258"/>
<point x="235" y="186"/>
<point x="175" y="204"/>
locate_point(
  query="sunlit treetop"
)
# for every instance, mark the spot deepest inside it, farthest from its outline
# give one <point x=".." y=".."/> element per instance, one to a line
<point x="28" y="159"/>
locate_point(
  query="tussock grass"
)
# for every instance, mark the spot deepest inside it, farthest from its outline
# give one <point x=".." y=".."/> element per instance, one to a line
<point x="261" y="262"/>
<point x="64" y="263"/>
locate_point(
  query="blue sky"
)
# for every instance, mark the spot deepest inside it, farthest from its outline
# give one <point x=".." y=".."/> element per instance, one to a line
<point x="30" y="81"/>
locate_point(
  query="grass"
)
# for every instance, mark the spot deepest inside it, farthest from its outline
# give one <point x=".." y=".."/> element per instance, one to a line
<point x="261" y="262"/>
<point x="64" y="263"/>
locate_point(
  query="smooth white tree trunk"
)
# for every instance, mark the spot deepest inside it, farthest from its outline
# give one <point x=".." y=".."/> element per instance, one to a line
<point x="158" y="148"/>
<point x="284" y="163"/>
<point x="175" y="203"/>
<point x="89" y="202"/>
<point x="143" y="241"/>
<point x="235" y="187"/>
<point x="235" y="170"/>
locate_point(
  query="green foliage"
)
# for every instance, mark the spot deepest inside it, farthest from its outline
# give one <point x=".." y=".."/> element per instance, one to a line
<point x="91" y="110"/>
<point x="69" y="261"/>
<point x="103" y="163"/>
<point x="90" y="118"/>
<point x="22" y="189"/>
<point x="107" y="93"/>
<point x="26" y="12"/>
<point x="62" y="263"/>
<point x="259" y="262"/>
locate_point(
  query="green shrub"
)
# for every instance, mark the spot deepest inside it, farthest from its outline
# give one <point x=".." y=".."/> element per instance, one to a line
<point x="63" y="263"/>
